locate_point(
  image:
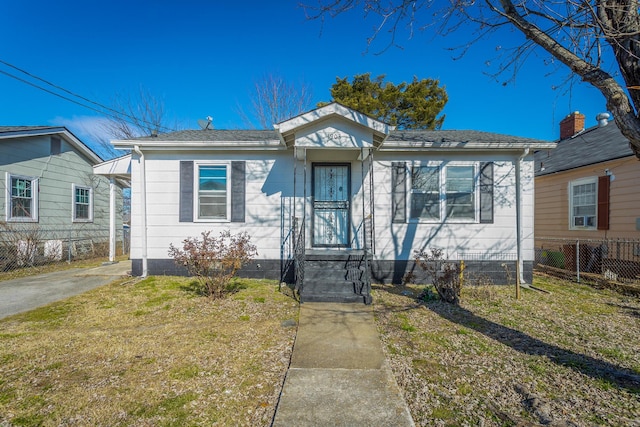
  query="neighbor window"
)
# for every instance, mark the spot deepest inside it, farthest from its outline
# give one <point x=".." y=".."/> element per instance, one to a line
<point x="443" y="191"/>
<point x="583" y="203"/>
<point x="212" y="192"/>
<point x="82" y="204"/>
<point x="22" y="198"/>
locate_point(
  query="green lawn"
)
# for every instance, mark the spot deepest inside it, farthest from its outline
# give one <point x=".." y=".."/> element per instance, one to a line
<point x="148" y="353"/>
<point x="154" y="353"/>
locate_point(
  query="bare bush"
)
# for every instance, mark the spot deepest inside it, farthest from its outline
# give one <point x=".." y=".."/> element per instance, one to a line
<point x="20" y="243"/>
<point x="445" y="274"/>
<point x="214" y="261"/>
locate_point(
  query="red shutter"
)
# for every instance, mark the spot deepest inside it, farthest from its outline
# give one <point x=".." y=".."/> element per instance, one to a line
<point x="603" y="203"/>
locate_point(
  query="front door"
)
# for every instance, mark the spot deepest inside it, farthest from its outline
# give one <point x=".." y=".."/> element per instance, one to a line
<point x="331" y="207"/>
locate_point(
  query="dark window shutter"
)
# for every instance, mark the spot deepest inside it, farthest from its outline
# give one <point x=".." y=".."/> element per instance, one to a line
<point x="237" y="191"/>
<point x="186" y="191"/>
<point x="398" y="192"/>
<point x="486" y="192"/>
<point x="603" y="202"/>
<point x="56" y="146"/>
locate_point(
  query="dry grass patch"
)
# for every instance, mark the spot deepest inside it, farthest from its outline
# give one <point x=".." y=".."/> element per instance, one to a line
<point x="148" y="353"/>
<point x="569" y="358"/>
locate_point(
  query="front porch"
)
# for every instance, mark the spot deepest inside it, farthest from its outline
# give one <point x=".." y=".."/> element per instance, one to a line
<point x="328" y="228"/>
<point x="331" y="242"/>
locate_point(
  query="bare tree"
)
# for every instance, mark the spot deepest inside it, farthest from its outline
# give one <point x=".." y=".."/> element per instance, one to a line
<point x="140" y="115"/>
<point x="598" y="40"/>
<point x="131" y="117"/>
<point x="274" y="99"/>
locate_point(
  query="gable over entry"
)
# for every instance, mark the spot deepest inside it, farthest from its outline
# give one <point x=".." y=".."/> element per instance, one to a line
<point x="333" y="150"/>
<point x="325" y="143"/>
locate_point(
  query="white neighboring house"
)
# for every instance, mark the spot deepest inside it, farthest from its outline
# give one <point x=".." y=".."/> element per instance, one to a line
<point x="334" y="199"/>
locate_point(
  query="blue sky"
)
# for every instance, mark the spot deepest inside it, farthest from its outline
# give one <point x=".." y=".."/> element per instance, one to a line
<point x="202" y="58"/>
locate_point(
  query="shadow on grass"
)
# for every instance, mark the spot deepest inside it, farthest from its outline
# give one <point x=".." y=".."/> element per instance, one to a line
<point x="630" y="310"/>
<point x="290" y="290"/>
<point x="526" y="344"/>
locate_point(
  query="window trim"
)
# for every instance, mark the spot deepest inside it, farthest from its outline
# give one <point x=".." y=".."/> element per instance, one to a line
<point x="74" y="218"/>
<point x="574" y="183"/>
<point x="9" y="198"/>
<point x="442" y="170"/>
<point x="196" y="192"/>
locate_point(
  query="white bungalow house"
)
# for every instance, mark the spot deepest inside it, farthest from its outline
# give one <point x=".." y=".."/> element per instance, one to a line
<point x="334" y="199"/>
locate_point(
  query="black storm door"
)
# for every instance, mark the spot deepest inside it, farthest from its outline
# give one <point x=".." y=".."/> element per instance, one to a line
<point x="331" y="205"/>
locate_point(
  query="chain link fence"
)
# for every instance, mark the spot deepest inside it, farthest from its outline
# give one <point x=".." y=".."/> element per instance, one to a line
<point x="31" y="247"/>
<point x="612" y="259"/>
<point x="482" y="268"/>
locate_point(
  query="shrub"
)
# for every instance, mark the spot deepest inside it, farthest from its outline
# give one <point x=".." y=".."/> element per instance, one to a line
<point x="428" y="295"/>
<point x="445" y="275"/>
<point x="214" y="261"/>
<point x="20" y="244"/>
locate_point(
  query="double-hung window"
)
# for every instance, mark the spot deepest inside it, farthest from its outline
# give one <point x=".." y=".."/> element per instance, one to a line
<point x="22" y="198"/>
<point x="460" y="189"/>
<point x="82" y="204"/>
<point x="213" y="192"/>
<point x="583" y="203"/>
<point x="425" y="192"/>
<point x="444" y="191"/>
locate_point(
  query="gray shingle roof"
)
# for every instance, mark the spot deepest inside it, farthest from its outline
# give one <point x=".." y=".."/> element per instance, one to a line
<point x="455" y="136"/>
<point x="395" y="136"/>
<point x="594" y="145"/>
<point x="7" y="129"/>
<point x="214" y="135"/>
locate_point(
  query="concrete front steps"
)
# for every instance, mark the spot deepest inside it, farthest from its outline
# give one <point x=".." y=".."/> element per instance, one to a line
<point x="334" y="276"/>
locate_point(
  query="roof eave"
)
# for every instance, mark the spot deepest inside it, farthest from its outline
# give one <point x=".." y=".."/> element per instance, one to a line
<point x="475" y="146"/>
<point x="32" y="132"/>
<point x="330" y="110"/>
<point x="198" y="145"/>
<point x="288" y="128"/>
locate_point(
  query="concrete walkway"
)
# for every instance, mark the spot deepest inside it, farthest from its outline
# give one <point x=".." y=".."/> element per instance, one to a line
<point x="338" y="374"/>
<point x="27" y="293"/>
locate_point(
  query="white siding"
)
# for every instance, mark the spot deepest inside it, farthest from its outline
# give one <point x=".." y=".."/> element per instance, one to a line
<point x="269" y="192"/>
<point x="499" y="238"/>
<point x="269" y="184"/>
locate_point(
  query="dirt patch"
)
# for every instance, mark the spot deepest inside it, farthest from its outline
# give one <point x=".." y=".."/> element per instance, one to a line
<point x="568" y="358"/>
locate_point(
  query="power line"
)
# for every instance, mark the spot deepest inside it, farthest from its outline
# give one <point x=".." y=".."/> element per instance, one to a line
<point x="102" y="109"/>
<point x="55" y="94"/>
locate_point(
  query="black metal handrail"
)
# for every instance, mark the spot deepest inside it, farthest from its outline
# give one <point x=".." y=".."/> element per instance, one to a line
<point x="299" y="253"/>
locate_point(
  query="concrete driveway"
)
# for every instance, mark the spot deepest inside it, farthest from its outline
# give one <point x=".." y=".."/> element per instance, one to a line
<point x="27" y="293"/>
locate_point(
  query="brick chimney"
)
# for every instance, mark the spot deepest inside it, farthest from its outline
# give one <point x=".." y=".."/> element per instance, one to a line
<point x="571" y="125"/>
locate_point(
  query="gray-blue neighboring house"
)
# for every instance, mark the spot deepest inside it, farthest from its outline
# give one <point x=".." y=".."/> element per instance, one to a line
<point x="50" y="189"/>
